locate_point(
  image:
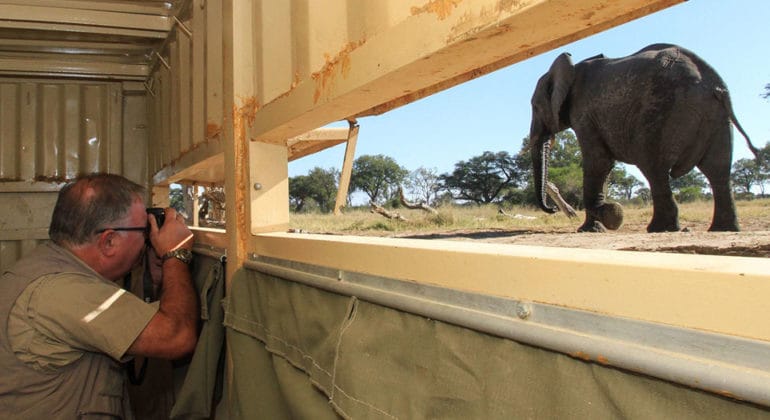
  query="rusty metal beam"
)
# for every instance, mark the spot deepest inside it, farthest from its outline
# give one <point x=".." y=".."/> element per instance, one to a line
<point x="416" y="49"/>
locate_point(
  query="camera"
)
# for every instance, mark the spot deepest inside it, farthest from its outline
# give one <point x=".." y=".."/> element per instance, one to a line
<point x="159" y="213"/>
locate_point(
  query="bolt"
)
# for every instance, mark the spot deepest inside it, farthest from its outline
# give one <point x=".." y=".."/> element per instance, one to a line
<point x="523" y="310"/>
<point x="257" y="186"/>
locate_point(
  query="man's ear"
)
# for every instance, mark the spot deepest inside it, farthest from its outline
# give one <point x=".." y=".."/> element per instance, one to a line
<point x="107" y="243"/>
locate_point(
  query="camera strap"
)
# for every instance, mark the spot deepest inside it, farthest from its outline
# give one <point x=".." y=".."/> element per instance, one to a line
<point x="148" y="296"/>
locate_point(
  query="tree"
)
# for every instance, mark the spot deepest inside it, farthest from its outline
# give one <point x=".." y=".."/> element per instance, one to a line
<point x="569" y="180"/>
<point x="565" y="167"/>
<point x="621" y="184"/>
<point x="318" y="186"/>
<point x="763" y="162"/>
<point x="211" y="211"/>
<point x="745" y="174"/>
<point x="482" y="178"/>
<point x="565" y="150"/>
<point x="693" y="178"/>
<point x="176" y="197"/>
<point x="644" y="195"/>
<point x="689" y="187"/>
<point x="378" y="176"/>
<point x="424" y="184"/>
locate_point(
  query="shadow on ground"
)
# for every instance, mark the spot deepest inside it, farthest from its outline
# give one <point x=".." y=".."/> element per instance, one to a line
<point x="480" y="234"/>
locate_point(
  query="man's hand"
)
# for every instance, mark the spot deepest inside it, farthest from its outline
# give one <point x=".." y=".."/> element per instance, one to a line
<point x="174" y="233"/>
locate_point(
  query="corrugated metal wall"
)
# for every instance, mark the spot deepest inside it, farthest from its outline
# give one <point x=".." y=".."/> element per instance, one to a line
<point x="51" y="131"/>
<point x="186" y="100"/>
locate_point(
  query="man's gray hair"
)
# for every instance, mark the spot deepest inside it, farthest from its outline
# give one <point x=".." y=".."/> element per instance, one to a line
<point x="89" y="203"/>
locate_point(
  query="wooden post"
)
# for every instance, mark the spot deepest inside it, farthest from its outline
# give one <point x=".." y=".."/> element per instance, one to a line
<point x="347" y="168"/>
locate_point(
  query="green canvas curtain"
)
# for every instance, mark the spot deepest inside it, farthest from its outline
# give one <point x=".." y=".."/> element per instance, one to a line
<point x="304" y="353"/>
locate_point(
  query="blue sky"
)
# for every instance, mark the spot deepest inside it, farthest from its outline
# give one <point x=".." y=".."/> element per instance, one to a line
<point x="493" y="112"/>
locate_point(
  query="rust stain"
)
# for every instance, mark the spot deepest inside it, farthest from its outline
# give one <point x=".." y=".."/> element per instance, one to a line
<point x="213" y="130"/>
<point x="581" y="355"/>
<point x="294" y="83"/>
<point x="244" y="114"/>
<point x="293" y="86"/>
<point x="602" y="359"/>
<point x="248" y="110"/>
<point x="725" y="393"/>
<point x="53" y="179"/>
<point x="341" y="61"/>
<point x="441" y="8"/>
<point x="472" y="23"/>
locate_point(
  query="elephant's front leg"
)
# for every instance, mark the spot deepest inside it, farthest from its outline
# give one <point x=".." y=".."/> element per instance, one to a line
<point x="600" y="216"/>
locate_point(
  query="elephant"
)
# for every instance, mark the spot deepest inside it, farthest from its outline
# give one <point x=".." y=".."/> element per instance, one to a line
<point x="663" y="109"/>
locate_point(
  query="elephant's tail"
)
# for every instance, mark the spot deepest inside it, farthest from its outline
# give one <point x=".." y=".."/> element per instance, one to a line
<point x="724" y="96"/>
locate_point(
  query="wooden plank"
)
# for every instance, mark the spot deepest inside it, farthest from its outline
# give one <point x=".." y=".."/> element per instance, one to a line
<point x="316" y="140"/>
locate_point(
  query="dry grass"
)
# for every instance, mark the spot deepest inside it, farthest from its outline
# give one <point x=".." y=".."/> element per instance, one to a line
<point x="754" y="215"/>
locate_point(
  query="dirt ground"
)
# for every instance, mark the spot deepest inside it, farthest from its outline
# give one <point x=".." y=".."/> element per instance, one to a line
<point x="752" y="241"/>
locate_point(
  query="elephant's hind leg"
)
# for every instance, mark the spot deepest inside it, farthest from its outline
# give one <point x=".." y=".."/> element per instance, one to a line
<point x="665" y="214"/>
<point x="725" y="218"/>
<point x="716" y="167"/>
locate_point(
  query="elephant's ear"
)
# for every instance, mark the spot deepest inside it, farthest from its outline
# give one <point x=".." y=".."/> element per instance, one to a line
<point x="562" y="73"/>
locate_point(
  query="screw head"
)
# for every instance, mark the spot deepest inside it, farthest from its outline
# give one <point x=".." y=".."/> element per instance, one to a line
<point x="523" y="310"/>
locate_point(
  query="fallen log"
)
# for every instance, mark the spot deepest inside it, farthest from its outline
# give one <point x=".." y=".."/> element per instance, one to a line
<point x="553" y="192"/>
<point x="515" y="216"/>
<point x="412" y="206"/>
<point x="390" y="215"/>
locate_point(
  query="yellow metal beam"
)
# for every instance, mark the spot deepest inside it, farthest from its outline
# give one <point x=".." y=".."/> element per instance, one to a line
<point x="344" y="59"/>
<point x="720" y="294"/>
<point x="86" y="18"/>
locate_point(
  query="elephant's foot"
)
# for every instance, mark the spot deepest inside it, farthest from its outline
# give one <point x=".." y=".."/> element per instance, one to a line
<point x="607" y="216"/>
<point x="663" y="227"/>
<point x="592" y="226"/>
<point x="724" y="227"/>
<point x="725" y="221"/>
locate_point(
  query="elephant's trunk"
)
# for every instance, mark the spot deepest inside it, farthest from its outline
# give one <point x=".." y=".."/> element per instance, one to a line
<point x="540" y="155"/>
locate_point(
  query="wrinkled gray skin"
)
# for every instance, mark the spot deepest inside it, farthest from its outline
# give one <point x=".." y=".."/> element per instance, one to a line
<point x="662" y="109"/>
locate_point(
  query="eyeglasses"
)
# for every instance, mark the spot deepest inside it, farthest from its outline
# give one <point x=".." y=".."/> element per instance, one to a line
<point x="138" y="229"/>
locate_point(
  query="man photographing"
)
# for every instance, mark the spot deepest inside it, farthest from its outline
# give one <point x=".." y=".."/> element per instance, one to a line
<point x="67" y="324"/>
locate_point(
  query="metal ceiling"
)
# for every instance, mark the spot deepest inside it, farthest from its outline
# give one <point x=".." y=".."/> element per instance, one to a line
<point x="92" y="39"/>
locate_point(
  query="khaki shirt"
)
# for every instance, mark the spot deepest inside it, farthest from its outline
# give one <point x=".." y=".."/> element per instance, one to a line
<point x="60" y="316"/>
